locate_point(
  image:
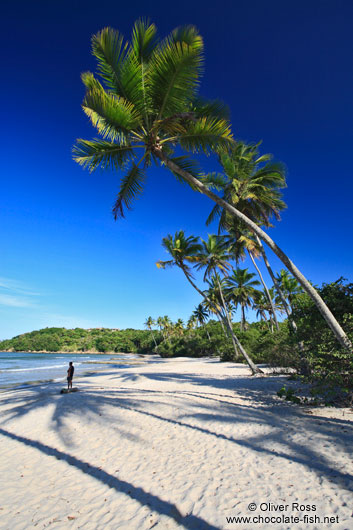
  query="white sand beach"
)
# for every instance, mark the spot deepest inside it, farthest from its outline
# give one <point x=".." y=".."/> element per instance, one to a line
<point x="180" y="443"/>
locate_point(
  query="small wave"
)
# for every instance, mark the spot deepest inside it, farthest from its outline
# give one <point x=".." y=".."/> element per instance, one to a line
<point x="35" y="368"/>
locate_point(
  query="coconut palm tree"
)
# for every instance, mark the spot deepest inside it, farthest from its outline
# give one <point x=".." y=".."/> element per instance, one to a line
<point x="183" y="250"/>
<point x="160" y="324"/>
<point x="179" y="327"/>
<point x="149" y="324"/>
<point x="261" y="307"/>
<point x="167" y="326"/>
<point x="146" y="106"/>
<point x="201" y="315"/>
<point x="289" y="285"/>
<point x="191" y="323"/>
<point x="241" y="289"/>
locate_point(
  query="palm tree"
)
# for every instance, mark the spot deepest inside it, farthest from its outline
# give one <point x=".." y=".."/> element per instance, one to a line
<point x="191" y="323"/>
<point x="167" y="326"/>
<point x="179" y="327"/>
<point x="183" y="250"/>
<point x="241" y="289"/>
<point x="146" y="107"/>
<point x="261" y="306"/>
<point x="201" y="315"/>
<point x="215" y="256"/>
<point x="212" y="304"/>
<point x="160" y="324"/>
<point x="149" y="323"/>
<point x="289" y="285"/>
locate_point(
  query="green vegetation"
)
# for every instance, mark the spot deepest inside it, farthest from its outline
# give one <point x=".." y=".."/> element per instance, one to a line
<point x="329" y="366"/>
<point x="82" y="340"/>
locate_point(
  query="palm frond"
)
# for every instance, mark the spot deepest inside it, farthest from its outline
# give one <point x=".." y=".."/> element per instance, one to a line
<point x="96" y="152"/>
<point x="215" y="212"/>
<point x="143" y="39"/>
<point x="113" y="116"/>
<point x="90" y="81"/>
<point x="110" y="50"/>
<point x="130" y="188"/>
<point x="176" y="67"/>
<point x="214" y="109"/>
<point x="207" y="135"/>
<point x="163" y="264"/>
<point x="214" y="181"/>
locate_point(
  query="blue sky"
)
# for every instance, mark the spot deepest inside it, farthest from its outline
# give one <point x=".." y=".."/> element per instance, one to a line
<point x="285" y="70"/>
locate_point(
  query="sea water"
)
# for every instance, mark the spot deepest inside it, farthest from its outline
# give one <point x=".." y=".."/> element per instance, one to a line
<point x="18" y="369"/>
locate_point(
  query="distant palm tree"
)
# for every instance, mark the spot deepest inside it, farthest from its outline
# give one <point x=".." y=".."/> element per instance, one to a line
<point x="179" y="327"/>
<point x="191" y="323"/>
<point x="201" y="315"/>
<point x="160" y="324"/>
<point x="167" y="325"/>
<point x="183" y="250"/>
<point x="262" y="307"/>
<point x="241" y="289"/>
<point x="289" y="285"/>
<point x="149" y="324"/>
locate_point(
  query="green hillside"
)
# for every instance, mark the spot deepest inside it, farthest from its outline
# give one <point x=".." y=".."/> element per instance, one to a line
<point x="81" y="340"/>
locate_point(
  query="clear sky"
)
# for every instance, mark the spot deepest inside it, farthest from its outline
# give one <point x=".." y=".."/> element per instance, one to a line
<point x="285" y="70"/>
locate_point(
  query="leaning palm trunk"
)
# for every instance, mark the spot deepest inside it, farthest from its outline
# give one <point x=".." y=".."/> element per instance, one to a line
<point x="308" y="288"/>
<point x="277" y="286"/>
<point x="265" y="288"/>
<point x="236" y="343"/>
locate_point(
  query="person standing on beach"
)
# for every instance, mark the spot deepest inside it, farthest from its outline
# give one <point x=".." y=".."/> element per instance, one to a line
<point x="70" y="374"/>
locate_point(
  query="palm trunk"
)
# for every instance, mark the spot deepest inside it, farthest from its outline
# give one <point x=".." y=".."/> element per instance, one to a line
<point x="154" y="340"/>
<point x="277" y="286"/>
<point x="265" y="288"/>
<point x="243" y="321"/>
<point x="271" y="321"/>
<point x="308" y="288"/>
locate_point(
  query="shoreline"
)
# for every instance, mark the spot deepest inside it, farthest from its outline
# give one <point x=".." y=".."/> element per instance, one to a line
<point x="170" y="443"/>
<point x="78" y="352"/>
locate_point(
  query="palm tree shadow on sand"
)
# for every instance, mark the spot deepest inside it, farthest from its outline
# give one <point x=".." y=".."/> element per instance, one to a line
<point x="257" y="407"/>
<point x="139" y="494"/>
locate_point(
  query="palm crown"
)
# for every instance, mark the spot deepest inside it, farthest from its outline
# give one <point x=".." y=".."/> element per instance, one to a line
<point x="251" y="182"/>
<point x="242" y="287"/>
<point x="147" y="105"/>
<point x="182" y="249"/>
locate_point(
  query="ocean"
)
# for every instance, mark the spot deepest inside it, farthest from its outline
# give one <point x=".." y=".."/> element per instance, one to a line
<point x="20" y="369"/>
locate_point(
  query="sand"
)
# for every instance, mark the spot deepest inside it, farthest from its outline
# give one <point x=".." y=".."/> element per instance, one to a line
<point x="179" y="443"/>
